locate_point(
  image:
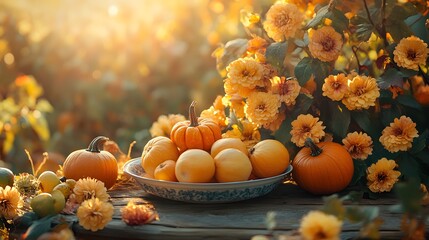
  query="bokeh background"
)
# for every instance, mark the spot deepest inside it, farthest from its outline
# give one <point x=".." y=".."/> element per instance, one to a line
<point x="74" y="69"/>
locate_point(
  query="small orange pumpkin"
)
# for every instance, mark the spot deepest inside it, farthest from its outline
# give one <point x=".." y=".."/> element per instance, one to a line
<point x="322" y="168"/>
<point x="92" y="162"/>
<point x="195" y="133"/>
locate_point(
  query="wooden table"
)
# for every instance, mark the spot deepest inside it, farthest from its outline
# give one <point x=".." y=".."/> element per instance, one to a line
<point x="241" y="220"/>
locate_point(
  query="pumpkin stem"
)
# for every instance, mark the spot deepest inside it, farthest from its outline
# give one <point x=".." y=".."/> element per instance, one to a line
<point x="315" y="150"/>
<point x="192" y="117"/>
<point x="95" y="143"/>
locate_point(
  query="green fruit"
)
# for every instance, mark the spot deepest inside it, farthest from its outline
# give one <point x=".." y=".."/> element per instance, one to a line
<point x="6" y="177"/>
<point x="43" y="205"/>
<point x="71" y="183"/>
<point x="59" y="200"/>
<point x="48" y="180"/>
<point x="64" y="188"/>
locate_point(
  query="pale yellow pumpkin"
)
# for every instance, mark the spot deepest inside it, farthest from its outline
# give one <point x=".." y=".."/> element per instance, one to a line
<point x="156" y="151"/>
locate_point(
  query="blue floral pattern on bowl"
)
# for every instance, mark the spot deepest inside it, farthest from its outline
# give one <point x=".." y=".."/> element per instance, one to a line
<point x="203" y="192"/>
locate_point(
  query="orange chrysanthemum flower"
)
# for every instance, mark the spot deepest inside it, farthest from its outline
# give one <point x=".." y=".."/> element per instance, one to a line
<point x="335" y="87"/>
<point x="359" y="145"/>
<point x="133" y="214"/>
<point x="10" y="202"/>
<point x="288" y="90"/>
<point x="244" y="75"/>
<point x="325" y="44"/>
<point x="162" y="127"/>
<point x="317" y="225"/>
<point x="306" y="126"/>
<point x="362" y="94"/>
<point x="399" y="135"/>
<point x="262" y="108"/>
<point x="410" y="53"/>
<point x="381" y="175"/>
<point x="282" y="21"/>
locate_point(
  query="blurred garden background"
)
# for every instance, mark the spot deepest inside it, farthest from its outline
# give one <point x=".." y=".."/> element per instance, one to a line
<point x="71" y="70"/>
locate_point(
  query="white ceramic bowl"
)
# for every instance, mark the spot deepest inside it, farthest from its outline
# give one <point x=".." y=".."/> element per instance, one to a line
<point x="203" y="192"/>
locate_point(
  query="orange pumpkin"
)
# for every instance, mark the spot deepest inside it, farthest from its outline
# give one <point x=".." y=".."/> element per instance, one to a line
<point x="322" y="168"/>
<point x="92" y="162"/>
<point x="195" y="133"/>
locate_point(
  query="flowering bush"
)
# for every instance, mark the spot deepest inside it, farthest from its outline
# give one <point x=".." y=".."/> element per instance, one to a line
<point x="353" y="72"/>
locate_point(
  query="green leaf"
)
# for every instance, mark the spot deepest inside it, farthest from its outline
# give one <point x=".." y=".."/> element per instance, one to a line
<point x="363" y="120"/>
<point x="423" y="156"/>
<point x="359" y="171"/>
<point x="276" y="54"/>
<point x="410" y="196"/>
<point x="364" y="28"/>
<point x="303" y="70"/>
<point x="340" y="119"/>
<point x="303" y="103"/>
<point x="39" y="124"/>
<point x="419" y="143"/>
<point x="409" y="101"/>
<point x="339" y="21"/>
<point x="389" y="114"/>
<point x="334" y="206"/>
<point x="44" y="106"/>
<point x="391" y="77"/>
<point x="409" y="167"/>
<point x="398" y="29"/>
<point x="232" y="50"/>
<point x="320" y="15"/>
<point x="39" y="227"/>
<point x="28" y="218"/>
<point x="309" y="66"/>
<point x="364" y="214"/>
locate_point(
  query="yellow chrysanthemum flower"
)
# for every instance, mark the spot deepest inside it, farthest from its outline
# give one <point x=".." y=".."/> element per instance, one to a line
<point x="362" y="94"/>
<point x="262" y="108"/>
<point x="306" y="126"/>
<point x="410" y="53"/>
<point x="244" y="75"/>
<point x="236" y="104"/>
<point x="87" y="188"/>
<point x="325" y="44"/>
<point x="248" y="133"/>
<point x="335" y="87"/>
<point x="288" y="90"/>
<point x="216" y="112"/>
<point x="275" y="125"/>
<point x="282" y="21"/>
<point x="359" y="145"/>
<point x="256" y="44"/>
<point x="94" y="214"/>
<point x="381" y="175"/>
<point x="10" y="202"/>
<point x="317" y="225"/>
<point x="399" y="135"/>
<point x="162" y="127"/>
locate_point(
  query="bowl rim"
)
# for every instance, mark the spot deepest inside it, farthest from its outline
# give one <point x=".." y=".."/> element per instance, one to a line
<point x="127" y="169"/>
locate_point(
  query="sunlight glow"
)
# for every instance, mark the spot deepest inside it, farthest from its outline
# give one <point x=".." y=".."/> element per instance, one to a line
<point x="113" y="10"/>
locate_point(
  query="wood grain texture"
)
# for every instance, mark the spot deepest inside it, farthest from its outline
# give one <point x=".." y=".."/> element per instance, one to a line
<point x="240" y="220"/>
